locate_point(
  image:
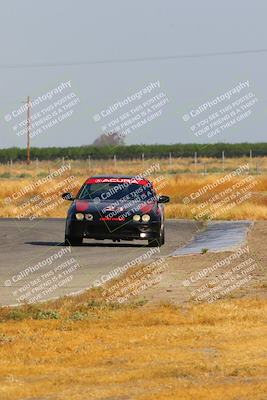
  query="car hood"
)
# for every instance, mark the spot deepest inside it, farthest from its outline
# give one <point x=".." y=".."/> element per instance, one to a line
<point x="106" y="207"/>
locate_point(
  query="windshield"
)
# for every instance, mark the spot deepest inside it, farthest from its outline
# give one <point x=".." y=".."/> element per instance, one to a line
<point x="113" y="191"/>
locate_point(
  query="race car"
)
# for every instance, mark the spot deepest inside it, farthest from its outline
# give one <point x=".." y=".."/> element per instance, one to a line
<point x="116" y="208"/>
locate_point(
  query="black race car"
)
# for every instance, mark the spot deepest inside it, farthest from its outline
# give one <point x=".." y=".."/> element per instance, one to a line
<point x="116" y="208"/>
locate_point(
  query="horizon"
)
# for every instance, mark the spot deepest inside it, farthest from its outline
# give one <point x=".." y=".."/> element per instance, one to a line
<point x="168" y="81"/>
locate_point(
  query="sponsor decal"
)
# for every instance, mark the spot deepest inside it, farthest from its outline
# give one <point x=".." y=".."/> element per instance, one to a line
<point x="112" y="219"/>
<point x="113" y="208"/>
<point x="143" y="182"/>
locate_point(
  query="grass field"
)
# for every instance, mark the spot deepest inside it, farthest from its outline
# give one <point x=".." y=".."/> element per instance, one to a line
<point x="180" y="179"/>
<point x="83" y="349"/>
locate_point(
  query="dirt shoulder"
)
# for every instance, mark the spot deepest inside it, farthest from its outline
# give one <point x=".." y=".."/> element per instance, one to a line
<point x="211" y="276"/>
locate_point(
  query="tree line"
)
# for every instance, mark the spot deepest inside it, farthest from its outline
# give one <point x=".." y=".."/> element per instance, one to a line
<point x="136" y="151"/>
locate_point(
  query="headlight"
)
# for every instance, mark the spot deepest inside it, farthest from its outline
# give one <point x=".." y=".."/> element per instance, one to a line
<point x="79" y="216"/>
<point x="89" y="217"/>
<point x="145" y="217"/>
<point x="136" y="217"/>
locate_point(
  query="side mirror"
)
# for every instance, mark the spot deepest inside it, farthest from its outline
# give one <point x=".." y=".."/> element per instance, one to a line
<point x="163" y="199"/>
<point x="68" y="196"/>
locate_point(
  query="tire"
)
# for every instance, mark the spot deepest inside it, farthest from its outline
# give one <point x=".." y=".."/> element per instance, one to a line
<point x="73" y="241"/>
<point x="163" y="237"/>
<point x="157" y="241"/>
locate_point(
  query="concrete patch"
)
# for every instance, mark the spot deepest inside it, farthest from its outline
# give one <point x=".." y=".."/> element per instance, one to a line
<point x="219" y="236"/>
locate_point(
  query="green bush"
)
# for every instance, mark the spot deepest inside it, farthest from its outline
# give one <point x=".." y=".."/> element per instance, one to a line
<point x="5" y="175"/>
<point x="46" y="315"/>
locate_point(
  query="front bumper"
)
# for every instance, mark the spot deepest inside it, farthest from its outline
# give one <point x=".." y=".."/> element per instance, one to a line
<point x="126" y="230"/>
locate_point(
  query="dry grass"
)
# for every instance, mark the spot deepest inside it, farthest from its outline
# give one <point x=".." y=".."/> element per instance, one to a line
<point x="178" y="181"/>
<point x="95" y="351"/>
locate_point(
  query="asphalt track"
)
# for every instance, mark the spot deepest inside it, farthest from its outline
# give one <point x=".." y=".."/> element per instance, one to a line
<point x="29" y="269"/>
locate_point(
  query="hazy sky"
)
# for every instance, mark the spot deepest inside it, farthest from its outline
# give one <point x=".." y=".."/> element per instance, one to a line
<point x="111" y="50"/>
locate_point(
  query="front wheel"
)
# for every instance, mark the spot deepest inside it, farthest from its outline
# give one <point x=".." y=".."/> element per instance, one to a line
<point x="163" y="237"/>
<point x="158" y="241"/>
<point x="73" y="241"/>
